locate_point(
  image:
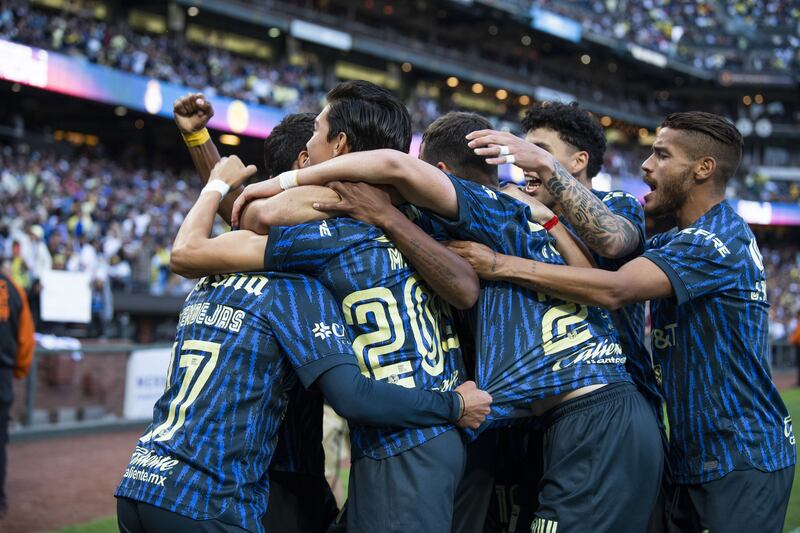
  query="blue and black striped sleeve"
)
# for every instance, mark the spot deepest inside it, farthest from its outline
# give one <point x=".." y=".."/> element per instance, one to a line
<point x="308" y="327"/>
<point x="377" y="403"/>
<point x="627" y="206"/>
<point x="695" y="264"/>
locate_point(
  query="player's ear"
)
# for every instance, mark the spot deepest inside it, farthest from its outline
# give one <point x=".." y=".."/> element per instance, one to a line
<point x="579" y="162"/>
<point x="444" y="168"/>
<point x="301" y="161"/>
<point x="704" y="168"/>
<point x="341" y="146"/>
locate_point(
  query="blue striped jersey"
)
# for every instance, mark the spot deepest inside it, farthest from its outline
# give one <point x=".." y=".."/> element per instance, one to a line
<point x="711" y="343"/>
<point x="630" y="319"/>
<point x="299" y="448"/>
<point x="402" y="332"/>
<point x="239" y="336"/>
<point x="529" y="346"/>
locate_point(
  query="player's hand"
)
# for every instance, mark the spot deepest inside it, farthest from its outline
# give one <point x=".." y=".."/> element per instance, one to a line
<point x="540" y="212"/>
<point x="476" y="405"/>
<point x="192" y="112"/>
<point x="263" y="189"/>
<point x="482" y="258"/>
<point x="232" y="171"/>
<point x="491" y="144"/>
<point x="361" y="201"/>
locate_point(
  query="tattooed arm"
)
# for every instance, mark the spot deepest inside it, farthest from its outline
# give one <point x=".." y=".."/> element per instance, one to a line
<point x="607" y="234"/>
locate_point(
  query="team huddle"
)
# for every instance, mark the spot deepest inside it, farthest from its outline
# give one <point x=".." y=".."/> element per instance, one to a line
<point x="485" y="343"/>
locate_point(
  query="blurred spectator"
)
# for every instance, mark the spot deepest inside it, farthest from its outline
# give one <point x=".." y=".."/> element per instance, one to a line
<point x="16" y="353"/>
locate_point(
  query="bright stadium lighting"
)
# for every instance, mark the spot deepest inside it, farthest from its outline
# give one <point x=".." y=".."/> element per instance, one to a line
<point x="524" y="99"/>
<point x="193" y="11"/>
<point x="229" y="139"/>
<point x="452" y="82"/>
<point x="501" y="94"/>
<point x="477" y="88"/>
<point x="586" y="59"/>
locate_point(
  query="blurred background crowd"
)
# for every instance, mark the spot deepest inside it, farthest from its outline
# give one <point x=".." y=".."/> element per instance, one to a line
<point x="112" y="210"/>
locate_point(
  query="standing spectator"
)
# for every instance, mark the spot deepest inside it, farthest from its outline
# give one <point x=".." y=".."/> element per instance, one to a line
<point x="16" y="353"/>
<point x="794" y="340"/>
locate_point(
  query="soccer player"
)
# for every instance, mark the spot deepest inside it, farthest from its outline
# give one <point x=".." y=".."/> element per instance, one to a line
<point x="302" y="500"/>
<point x="603" y="454"/>
<point x="732" y="448"/>
<point x="403" y="331"/>
<point x="202" y="463"/>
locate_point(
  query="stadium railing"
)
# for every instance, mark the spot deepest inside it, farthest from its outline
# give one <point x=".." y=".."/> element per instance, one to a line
<point x="89" y="387"/>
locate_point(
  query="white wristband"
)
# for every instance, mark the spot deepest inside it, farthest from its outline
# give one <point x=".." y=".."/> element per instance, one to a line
<point x="217" y="186"/>
<point x="288" y="179"/>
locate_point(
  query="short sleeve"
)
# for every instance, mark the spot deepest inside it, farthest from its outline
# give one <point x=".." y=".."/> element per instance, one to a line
<point x="309" y="327"/>
<point x="627" y="206"/>
<point x="696" y="262"/>
<point x="305" y="248"/>
<point x="486" y="216"/>
<point x="426" y="222"/>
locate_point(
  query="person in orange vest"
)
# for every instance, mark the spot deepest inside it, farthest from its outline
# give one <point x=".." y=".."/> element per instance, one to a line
<point x="16" y="354"/>
<point x="794" y="340"/>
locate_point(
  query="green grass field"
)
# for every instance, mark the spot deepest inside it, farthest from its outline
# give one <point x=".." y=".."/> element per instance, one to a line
<point x="791" y="397"/>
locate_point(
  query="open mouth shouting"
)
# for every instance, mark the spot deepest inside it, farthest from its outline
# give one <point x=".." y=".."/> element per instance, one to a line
<point x="532" y="184"/>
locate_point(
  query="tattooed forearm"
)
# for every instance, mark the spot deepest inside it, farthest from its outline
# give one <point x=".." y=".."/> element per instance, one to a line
<point x="607" y="234"/>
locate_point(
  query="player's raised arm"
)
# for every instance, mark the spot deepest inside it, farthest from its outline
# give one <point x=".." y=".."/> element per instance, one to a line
<point x="417" y="181"/>
<point x="607" y="234"/>
<point x="637" y="281"/>
<point x="287" y="209"/>
<point x="192" y="113"/>
<point x="194" y="253"/>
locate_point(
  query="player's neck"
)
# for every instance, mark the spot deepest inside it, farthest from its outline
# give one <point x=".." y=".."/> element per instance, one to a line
<point x="696" y="205"/>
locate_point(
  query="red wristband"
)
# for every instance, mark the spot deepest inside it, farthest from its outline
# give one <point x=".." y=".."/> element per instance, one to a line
<point x="550" y="224"/>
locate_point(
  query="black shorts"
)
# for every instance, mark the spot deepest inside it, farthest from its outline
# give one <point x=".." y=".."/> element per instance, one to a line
<point x="477" y="484"/>
<point x="742" y="500"/>
<point x="515" y="498"/>
<point x="138" y="517"/>
<point x="603" y="460"/>
<point x="409" y="492"/>
<point x="299" y="503"/>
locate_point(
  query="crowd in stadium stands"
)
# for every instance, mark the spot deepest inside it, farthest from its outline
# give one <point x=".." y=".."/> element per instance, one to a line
<point x="88" y="214"/>
<point x="160" y="56"/>
<point x="116" y="220"/>
<point x="783" y="279"/>
<point x="758" y="35"/>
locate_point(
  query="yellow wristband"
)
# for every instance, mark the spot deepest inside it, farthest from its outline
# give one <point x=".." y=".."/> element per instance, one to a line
<point x="197" y="138"/>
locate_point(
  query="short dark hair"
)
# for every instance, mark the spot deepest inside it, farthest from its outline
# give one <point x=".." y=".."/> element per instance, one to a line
<point x="574" y="126"/>
<point x="710" y="135"/>
<point x="444" y="140"/>
<point x="286" y="141"/>
<point x="372" y="117"/>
